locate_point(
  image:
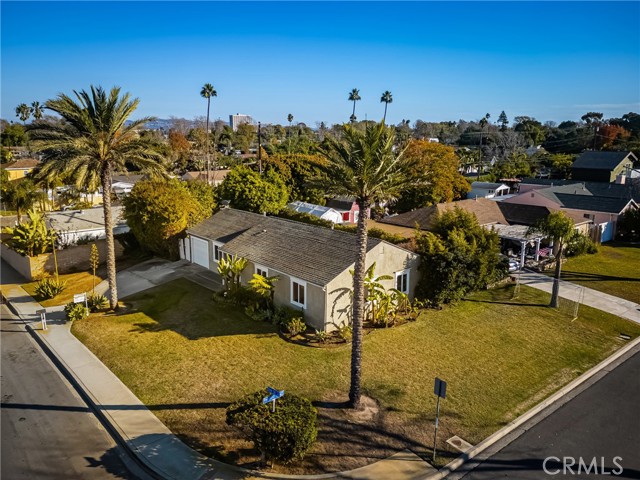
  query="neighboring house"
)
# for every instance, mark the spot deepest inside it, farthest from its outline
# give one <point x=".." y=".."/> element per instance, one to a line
<point x="529" y="215"/>
<point x="488" y="190"/>
<point x="217" y="176"/>
<point x="319" y="211"/>
<point x="603" y="166"/>
<point x="486" y="211"/>
<point x="122" y="184"/>
<point x="21" y="168"/>
<point x="312" y="263"/>
<point x="598" y="202"/>
<point x="347" y="207"/>
<point x="75" y="226"/>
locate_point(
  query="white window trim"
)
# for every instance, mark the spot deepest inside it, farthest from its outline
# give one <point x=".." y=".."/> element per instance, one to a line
<point x="263" y="268"/>
<point x="400" y="273"/>
<point x="213" y="253"/>
<point x="306" y="292"/>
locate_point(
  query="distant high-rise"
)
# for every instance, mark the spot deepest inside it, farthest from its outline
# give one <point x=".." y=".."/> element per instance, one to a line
<point x="238" y="119"/>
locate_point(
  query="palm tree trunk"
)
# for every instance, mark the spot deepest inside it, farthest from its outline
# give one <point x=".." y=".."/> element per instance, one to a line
<point x="358" y="305"/>
<point x="108" y="228"/>
<point x="207" y="143"/>
<point x="555" y="292"/>
<point x="385" y="112"/>
<point x="354" y="108"/>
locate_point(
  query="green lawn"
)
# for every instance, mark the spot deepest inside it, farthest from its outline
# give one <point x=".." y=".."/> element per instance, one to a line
<point x="187" y="358"/>
<point x="79" y="282"/>
<point x="615" y="269"/>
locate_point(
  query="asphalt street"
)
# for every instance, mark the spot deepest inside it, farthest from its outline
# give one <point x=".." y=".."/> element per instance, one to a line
<point x="47" y="431"/>
<point x="602" y="423"/>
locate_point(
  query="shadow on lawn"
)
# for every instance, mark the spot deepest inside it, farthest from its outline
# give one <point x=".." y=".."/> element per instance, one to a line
<point x="570" y="276"/>
<point x="510" y="302"/>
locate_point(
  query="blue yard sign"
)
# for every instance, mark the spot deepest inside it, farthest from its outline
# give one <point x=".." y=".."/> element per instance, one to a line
<point x="273" y="396"/>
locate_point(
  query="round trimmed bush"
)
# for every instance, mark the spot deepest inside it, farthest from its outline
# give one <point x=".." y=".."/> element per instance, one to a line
<point x="284" y="435"/>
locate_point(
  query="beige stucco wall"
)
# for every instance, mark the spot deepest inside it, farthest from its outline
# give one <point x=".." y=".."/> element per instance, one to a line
<point x="389" y="259"/>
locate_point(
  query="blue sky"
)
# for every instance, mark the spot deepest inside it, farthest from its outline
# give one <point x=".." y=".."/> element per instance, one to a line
<point x="441" y="61"/>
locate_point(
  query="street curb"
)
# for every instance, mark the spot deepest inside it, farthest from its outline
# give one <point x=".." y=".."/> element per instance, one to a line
<point x="521" y="420"/>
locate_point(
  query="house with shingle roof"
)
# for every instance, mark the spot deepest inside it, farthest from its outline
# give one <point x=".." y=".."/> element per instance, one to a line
<point x="21" y="167"/>
<point x="313" y="263"/>
<point x="486" y="211"/>
<point x="603" y="166"/>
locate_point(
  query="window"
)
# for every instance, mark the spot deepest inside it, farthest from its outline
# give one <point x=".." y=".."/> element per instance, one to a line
<point x="402" y="281"/>
<point x="217" y="252"/>
<point x="299" y="292"/>
<point x="260" y="270"/>
<point x="345" y="216"/>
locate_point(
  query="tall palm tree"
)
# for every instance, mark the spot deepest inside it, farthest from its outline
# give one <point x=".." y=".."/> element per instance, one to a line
<point x="368" y="166"/>
<point x="354" y="96"/>
<point x="387" y="98"/>
<point x="93" y="142"/>
<point x="207" y="92"/>
<point x="23" y="112"/>
<point x="36" y="110"/>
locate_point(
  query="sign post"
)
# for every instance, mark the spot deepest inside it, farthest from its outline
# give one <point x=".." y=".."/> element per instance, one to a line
<point x="273" y="396"/>
<point x="43" y="318"/>
<point x="81" y="297"/>
<point x="440" y="389"/>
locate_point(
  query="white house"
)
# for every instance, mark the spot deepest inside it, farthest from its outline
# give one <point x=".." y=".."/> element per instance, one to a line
<point x="487" y="190"/>
<point x="75" y="226"/>
<point x="325" y="213"/>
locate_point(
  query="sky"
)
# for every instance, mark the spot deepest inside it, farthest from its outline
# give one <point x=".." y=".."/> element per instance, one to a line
<point x="442" y="61"/>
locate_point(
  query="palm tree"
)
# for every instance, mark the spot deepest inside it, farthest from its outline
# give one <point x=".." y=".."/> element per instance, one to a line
<point x="23" y="111"/>
<point x="368" y="166"/>
<point x="207" y="92"/>
<point x="387" y="98"/>
<point x="560" y="228"/>
<point x="354" y="96"/>
<point x="93" y="142"/>
<point x="483" y="123"/>
<point x="36" y="110"/>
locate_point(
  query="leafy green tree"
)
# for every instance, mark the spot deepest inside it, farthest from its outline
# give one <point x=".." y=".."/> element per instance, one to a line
<point x="205" y="195"/>
<point x="159" y="212"/>
<point x="37" y="110"/>
<point x="560" y="228"/>
<point x="13" y="135"/>
<point x="368" y="166"/>
<point x="244" y="136"/>
<point x="21" y="195"/>
<point x="354" y="96"/>
<point x="629" y="225"/>
<point x="93" y="142"/>
<point x="207" y="92"/>
<point x="457" y="257"/>
<point x="247" y="190"/>
<point x="531" y="128"/>
<point x="439" y="165"/>
<point x="503" y="121"/>
<point x="23" y="112"/>
<point x="562" y="162"/>
<point x="33" y="237"/>
<point x="387" y="98"/>
<point x="297" y="170"/>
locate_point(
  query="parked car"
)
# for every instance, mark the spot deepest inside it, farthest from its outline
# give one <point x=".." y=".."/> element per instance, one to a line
<point x="513" y="266"/>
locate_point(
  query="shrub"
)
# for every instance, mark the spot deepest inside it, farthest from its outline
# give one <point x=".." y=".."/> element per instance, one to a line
<point x="284" y="435"/>
<point x="321" y="336"/>
<point x="97" y="302"/>
<point x="295" y="326"/>
<point x="345" y="332"/>
<point x="579" y="245"/>
<point x="284" y="314"/>
<point x="76" y="311"/>
<point x="50" y="287"/>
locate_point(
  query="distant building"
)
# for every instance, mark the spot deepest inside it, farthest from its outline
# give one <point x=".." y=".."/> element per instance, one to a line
<point x="603" y="166"/>
<point x="21" y="168"/>
<point x="238" y="119"/>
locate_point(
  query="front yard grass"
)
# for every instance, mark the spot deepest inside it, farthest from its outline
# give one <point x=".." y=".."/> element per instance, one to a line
<point x="187" y="358"/>
<point x="79" y="282"/>
<point x="615" y="270"/>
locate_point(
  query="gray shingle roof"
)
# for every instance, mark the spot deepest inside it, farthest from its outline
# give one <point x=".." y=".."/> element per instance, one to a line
<point x="601" y="160"/>
<point x="596" y="204"/>
<point x="311" y="253"/>
<point x="88" y="219"/>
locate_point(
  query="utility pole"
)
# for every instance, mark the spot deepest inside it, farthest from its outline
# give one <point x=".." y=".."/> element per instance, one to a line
<point x="260" y="149"/>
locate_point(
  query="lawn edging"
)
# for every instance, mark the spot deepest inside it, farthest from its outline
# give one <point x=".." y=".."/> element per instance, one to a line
<point x="525" y="417"/>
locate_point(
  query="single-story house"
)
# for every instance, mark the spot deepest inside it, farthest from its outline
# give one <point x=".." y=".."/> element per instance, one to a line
<point x="75" y="226"/>
<point x="486" y="211"/>
<point x="529" y="215"/>
<point x="488" y="190"/>
<point x="122" y="184"/>
<point x="597" y="202"/>
<point x="347" y="207"/>
<point x="603" y="166"/>
<point x="313" y="263"/>
<point x="217" y="176"/>
<point x="21" y="168"/>
<point x="319" y="211"/>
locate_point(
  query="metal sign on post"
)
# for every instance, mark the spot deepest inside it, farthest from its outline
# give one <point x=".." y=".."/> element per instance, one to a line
<point x="273" y="396"/>
<point x="43" y="318"/>
<point x="81" y="297"/>
<point x="440" y="390"/>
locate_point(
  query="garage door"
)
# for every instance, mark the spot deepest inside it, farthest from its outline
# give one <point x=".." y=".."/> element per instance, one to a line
<point x="200" y="251"/>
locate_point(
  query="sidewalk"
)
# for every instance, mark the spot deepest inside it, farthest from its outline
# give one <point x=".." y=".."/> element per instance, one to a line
<point x="593" y="298"/>
<point x="140" y="430"/>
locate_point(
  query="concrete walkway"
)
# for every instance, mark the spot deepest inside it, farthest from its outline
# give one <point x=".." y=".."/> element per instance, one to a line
<point x="138" y="428"/>
<point x="587" y="296"/>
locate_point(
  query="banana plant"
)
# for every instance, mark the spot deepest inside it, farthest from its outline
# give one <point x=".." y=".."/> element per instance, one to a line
<point x="230" y="268"/>
<point x="32" y="238"/>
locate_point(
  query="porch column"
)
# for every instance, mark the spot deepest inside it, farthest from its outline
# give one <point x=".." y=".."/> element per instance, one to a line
<point x="523" y="245"/>
<point x="537" y="249"/>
